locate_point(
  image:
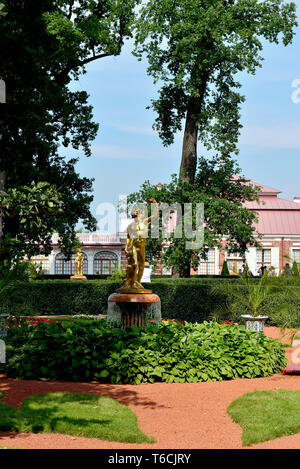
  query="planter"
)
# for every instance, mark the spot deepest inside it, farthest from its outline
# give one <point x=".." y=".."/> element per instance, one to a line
<point x="254" y="323"/>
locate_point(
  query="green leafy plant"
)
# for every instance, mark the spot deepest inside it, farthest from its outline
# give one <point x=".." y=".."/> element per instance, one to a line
<point x="248" y="297"/>
<point x="285" y="312"/>
<point x="118" y="275"/>
<point x="171" y="353"/>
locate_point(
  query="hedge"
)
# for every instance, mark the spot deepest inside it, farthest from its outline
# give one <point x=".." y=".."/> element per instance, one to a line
<point x="187" y="299"/>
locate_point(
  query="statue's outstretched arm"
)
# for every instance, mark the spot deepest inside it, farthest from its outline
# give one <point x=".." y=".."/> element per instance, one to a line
<point x="155" y="214"/>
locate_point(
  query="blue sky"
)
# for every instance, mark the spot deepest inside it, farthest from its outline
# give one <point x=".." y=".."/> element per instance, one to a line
<point x="127" y="151"/>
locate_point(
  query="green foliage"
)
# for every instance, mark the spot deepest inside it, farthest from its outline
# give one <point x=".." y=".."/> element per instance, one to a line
<point x="284" y="311"/>
<point x="266" y="415"/>
<point x="73" y="414"/>
<point x="10" y="279"/>
<point x="222" y="192"/>
<point x="225" y="270"/>
<point x="29" y="208"/>
<point x="44" y="45"/>
<point x="171" y="353"/>
<point x="249" y="297"/>
<point x="188" y="299"/>
<point x="295" y="271"/>
<point x="118" y="275"/>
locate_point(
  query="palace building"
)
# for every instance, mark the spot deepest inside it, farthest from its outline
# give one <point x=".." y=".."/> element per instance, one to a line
<point x="278" y="223"/>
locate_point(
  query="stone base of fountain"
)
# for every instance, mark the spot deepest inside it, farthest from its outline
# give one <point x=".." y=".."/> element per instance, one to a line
<point x="133" y="309"/>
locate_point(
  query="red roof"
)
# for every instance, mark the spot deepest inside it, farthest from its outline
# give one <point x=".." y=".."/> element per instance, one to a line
<point x="276" y="216"/>
<point x="266" y="190"/>
<point x="279" y="222"/>
<point x="268" y="202"/>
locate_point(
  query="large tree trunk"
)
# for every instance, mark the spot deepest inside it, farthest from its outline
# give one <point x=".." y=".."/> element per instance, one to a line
<point x="189" y="147"/>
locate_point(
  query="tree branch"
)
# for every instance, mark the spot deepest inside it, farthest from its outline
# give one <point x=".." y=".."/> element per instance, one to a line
<point x="69" y="16"/>
<point x="93" y="57"/>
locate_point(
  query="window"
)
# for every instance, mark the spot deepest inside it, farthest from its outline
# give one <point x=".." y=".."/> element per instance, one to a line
<point x="207" y="266"/>
<point x="263" y="258"/>
<point x="234" y="262"/>
<point x="296" y="256"/>
<point x="105" y="262"/>
<point x="63" y="266"/>
<point x="41" y="262"/>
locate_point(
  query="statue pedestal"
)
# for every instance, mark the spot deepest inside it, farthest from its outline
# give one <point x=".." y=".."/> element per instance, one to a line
<point x="78" y="277"/>
<point x="133" y="309"/>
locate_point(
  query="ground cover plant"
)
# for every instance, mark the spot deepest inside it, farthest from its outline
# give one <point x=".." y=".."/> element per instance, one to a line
<point x="173" y="352"/>
<point x="73" y="414"/>
<point x="266" y="415"/>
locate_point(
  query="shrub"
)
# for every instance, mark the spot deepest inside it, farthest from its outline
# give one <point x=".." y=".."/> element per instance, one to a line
<point x="171" y="353"/>
<point x="225" y="270"/>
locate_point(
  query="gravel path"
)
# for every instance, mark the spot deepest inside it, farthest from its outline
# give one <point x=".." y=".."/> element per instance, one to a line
<point x="179" y="415"/>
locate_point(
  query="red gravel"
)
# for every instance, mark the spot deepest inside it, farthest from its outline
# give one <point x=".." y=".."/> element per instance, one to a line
<point x="180" y="416"/>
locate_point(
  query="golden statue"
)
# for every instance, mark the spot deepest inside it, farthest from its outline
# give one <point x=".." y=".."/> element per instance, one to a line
<point x="79" y="263"/>
<point x="135" y="250"/>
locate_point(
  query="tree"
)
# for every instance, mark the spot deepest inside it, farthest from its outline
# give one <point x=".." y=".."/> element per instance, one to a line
<point x="44" y="44"/>
<point x="223" y="193"/>
<point x="225" y="270"/>
<point x="28" y="208"/>
<point x="196" y="48"/>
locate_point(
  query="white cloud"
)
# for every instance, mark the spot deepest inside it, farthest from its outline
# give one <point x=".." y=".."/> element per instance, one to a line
<point x="281" y="136"/>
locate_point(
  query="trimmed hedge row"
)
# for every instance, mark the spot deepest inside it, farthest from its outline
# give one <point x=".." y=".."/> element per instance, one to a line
<point x="187" y="299"/>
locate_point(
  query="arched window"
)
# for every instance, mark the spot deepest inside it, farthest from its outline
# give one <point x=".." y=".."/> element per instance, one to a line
<point x="105" y="262"/>
<point x="63" y="266"/>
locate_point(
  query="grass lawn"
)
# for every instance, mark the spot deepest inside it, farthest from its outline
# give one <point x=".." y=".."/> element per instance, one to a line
<point x="73" y="414"/>
<point x="1" y="394"/>
<point x="266" y="415"/>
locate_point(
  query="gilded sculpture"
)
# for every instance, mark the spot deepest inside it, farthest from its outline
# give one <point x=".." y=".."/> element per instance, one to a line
<point x="135" y="249"/>
<point x="78" y="263"/>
